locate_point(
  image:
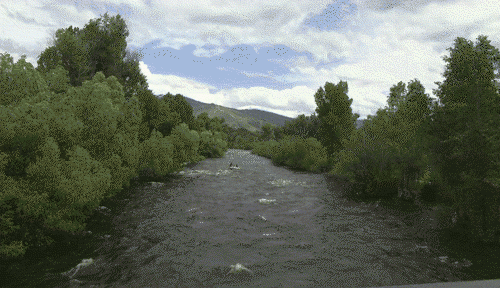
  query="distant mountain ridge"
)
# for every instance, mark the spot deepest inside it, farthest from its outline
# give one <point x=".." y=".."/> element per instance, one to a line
<point x="250" y="119"/>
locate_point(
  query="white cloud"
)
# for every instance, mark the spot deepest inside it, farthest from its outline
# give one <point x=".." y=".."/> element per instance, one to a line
<point x="384" y="42"/>
<point x="282" y="102"/>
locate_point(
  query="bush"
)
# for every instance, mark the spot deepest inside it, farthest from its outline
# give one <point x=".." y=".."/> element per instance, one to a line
<point x="212" y="145"/>
<point x="265" y="148"/>
<point x="186" y="143"/>
<point x="295" y="152"/>
<point x="157" y="154"/>
<point x="316" y="157"/>
<point x="372" y="166"/>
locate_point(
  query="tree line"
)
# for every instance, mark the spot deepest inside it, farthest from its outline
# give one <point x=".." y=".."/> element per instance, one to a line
<point x="441" y="151"/>
<point x="77" y="128"/>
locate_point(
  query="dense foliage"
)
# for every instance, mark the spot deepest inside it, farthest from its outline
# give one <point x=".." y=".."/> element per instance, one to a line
<point x="444" y="152"/>
<point x="240" y="138"/>
<point x="79" y="127"/>
<point x="334" y="112"/>
<point x="295" y="152"/>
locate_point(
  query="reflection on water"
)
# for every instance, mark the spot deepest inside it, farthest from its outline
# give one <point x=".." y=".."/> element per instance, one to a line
<point x="262" y="225"/>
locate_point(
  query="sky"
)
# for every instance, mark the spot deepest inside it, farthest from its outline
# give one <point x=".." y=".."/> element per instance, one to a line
<point x="269" y="55"/>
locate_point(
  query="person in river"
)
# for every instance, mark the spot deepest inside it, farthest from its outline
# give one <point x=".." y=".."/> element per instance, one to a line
<point x="231" y="166"/>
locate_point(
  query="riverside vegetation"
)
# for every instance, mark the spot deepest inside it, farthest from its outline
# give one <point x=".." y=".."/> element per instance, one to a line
<point x="76" y="129"/>
<point x="213" y="226"/>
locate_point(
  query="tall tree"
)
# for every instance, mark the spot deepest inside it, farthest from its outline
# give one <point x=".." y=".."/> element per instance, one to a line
<point x="106" y="44"/>
<point x="466" y="129"/>
<point x="335" y="114"/>
<point x="68" y="51"/>
<point x="131" y="77"/>
<point x="409" y="110"/>
<point x="397" y="95"/>
<point x="99" y="46"/>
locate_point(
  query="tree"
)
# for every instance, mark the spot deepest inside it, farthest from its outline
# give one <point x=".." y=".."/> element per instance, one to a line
<point x="99" y="46"/>
<point x="179" y="104"/>
<point x="57" y="79"/>
<point x="297" y="127"/>
<point x="313" y="124"/>
<point x="202" y="122"/>
<point x="278" y="133"/>
<point x="105" y="41"/>
<point x="409" y="116"/>
<point x="105" y="38"/>
<point x="466" y="131"/>
<point x="68" y="51"/>
<point x="396" y="96"/>
<point x="217" y="124"/>
<point x="407" y="108"/>
<point x="18" y="80"/>
<point x="335" y="114"/>
<point x="132" y="78"/>
<point x="267" y="132"/>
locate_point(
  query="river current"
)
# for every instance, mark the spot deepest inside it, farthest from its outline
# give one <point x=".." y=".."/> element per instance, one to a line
<point x="285" y="228"/>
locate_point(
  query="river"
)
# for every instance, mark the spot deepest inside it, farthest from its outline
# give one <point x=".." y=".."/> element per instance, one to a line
<point x="288" y="228"/>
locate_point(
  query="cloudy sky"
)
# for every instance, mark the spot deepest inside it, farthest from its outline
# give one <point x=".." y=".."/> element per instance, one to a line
<point x="266" y="54"/>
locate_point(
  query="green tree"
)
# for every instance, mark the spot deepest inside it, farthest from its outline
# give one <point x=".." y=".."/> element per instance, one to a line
<point x="217" y="124"/>
<point x="335" y="114"/>
<point x="406" y="111"/>
<point x="57" y="79"/>
<point x="466" y="133"/>
<point x="202" y="122"/>
<point x="396" y="96"/>
<point x="69" y="51"/>
<point x="313" y="124"/>
<point x="278" y="133"/>
<point x="179" y="104"/>
<point x="158" y="115"/>
<point x="105" y="40"/>
<point x="386" y="153"/>
<point x="18" y="80"/>
<point x="267" y="132"/>
<point x="99" y="46"/>
<point x="131" y="76"/>
<point x="407" y="120"/>
<point x="297" y="126"/>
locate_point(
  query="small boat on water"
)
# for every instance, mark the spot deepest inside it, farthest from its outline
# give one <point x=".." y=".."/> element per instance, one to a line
<point x="233" y="167"/>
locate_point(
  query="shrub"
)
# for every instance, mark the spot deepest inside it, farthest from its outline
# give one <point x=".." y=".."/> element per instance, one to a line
<point x="212" y="144"/>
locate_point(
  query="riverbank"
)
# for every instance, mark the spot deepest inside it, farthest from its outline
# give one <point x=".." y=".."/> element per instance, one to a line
<point x="284" y="226"/>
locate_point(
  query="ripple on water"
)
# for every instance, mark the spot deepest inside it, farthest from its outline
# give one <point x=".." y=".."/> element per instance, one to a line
<point x="300" y="237"/>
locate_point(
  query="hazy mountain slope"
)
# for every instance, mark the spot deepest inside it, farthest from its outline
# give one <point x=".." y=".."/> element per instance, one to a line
<point x="250" y="119"/>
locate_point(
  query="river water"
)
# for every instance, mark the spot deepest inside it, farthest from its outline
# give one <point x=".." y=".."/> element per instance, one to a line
<point x="288" y="228"/>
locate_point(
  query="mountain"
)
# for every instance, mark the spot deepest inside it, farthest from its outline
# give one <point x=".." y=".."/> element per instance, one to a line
<point x="250" y="119"/>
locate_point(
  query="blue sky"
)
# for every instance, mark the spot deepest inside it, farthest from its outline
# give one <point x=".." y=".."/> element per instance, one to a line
<point x="269" y="55"/>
